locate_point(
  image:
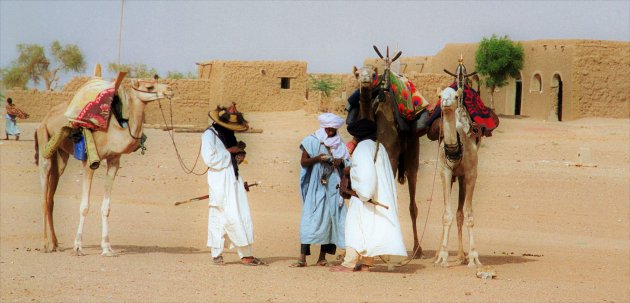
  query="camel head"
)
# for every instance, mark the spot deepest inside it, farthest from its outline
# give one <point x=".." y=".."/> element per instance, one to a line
<point x="450" y="103"/>
<point x="147" y="91"/>
<point x="365" y="75"/>
<point x="449" y="99"/>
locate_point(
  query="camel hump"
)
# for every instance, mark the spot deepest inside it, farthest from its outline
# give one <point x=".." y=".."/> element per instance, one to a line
<point x="97" y="71"/>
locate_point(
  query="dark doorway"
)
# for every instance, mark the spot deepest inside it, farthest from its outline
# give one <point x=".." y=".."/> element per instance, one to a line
<point x="559" y="98"/>
<point x="517" y="98"/>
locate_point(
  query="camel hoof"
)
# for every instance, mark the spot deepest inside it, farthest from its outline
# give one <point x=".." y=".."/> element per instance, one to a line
<point x="442" y="259"/>
<point x="109" y="254"/>
<point x="78" y="252"/>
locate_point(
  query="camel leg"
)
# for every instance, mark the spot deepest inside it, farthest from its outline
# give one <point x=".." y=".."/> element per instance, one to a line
<point x="441" y="256"/>
<point x="473" y="255"/>
<point x="412" y="162"/>
<point x="59" y="162"/>
<point x="88" y="173"/>
<point x="112" y="168"/>
<point x="461" y="257"/>
<point x="45" y="167"/>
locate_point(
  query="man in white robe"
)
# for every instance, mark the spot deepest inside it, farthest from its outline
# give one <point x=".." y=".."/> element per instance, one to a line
<point x="370" y="230"/>
<point x="228" y="204"/>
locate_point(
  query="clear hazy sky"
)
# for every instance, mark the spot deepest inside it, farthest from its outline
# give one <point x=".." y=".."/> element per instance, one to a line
<point x="330" y="35"/>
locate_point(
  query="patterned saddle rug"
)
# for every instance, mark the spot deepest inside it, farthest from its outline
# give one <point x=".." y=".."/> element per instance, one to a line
<point x="409" y="102"/>
<point x="479" y="113"/>
<point x="91" y="106"/>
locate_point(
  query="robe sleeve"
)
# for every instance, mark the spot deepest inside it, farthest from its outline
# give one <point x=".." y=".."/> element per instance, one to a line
<point x="363" y="172"/>
<point x="215" y="157"/>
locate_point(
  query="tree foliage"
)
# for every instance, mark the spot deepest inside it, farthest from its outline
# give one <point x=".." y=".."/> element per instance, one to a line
<point x="34" y="65"/>
<point x="179" y="75"/>
<point x="497" y="59"/>
<point x="134" y="70"/>
<point x="13" y="77"/>
<point x="325" y="85"/>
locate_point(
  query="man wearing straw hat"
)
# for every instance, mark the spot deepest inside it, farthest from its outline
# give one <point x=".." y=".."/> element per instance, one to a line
<point x="228" y="204"/>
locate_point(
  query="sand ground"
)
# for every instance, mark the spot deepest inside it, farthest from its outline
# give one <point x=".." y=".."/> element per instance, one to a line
<point x="552" y="232"/>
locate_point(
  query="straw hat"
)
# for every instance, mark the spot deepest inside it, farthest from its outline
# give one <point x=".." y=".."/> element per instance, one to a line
<point x="229" y="118"/>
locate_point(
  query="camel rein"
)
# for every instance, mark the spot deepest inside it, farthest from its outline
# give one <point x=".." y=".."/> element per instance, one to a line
<point x="170" y="131"/>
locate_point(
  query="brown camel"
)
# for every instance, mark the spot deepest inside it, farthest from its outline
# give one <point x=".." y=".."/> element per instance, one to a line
<point x="110" y="145"/>
<point x="403" y="147"/>
<point x="458" y="158"/>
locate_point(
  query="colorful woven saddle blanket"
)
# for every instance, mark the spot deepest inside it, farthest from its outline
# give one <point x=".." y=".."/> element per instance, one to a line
<point x="91" y="105"/>
<point x="409" y="102"/>
<point x="479" y="113"/>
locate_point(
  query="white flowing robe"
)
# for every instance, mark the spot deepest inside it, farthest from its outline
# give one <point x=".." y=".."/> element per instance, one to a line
<point x="229" y="207"/>
<point x="373" y="230"/>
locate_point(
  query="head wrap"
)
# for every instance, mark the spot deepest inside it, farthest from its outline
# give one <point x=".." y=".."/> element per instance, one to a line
<point x="363" y="129"/>
<point x="330" y="120"/>
<point x="337" y="147"/>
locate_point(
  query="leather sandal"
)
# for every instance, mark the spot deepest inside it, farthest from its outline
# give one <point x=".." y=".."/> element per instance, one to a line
<point x="252" y="261"/>
<point x="218" y="260"/>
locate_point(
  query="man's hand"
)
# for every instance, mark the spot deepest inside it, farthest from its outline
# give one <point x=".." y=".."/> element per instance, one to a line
<point x="336" y="162"/>
<point x="322" y="158"/>
<point x="234" y="149"/>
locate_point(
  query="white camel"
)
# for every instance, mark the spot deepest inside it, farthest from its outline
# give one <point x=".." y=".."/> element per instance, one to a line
<point x="458" y="158"/>
<point x="110" y="145"/>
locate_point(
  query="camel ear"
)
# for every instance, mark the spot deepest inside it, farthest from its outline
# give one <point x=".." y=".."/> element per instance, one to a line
<point x="355" y="71"/>
<point x="135" y="83"/>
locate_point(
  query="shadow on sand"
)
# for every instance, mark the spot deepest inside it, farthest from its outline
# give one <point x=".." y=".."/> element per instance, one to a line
<point x="136" y="249"/>
<point x="493" y="259"/>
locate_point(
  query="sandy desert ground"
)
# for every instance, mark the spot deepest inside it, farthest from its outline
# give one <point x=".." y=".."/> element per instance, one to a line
<point x="552" y="231"/>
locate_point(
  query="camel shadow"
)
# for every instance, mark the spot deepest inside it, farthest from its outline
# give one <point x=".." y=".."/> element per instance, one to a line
<point x="493" y="259"/>
<point x="137" y="249"/>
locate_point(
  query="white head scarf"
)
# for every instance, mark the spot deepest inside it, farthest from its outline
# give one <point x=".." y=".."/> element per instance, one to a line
<point x="337" y="147"/>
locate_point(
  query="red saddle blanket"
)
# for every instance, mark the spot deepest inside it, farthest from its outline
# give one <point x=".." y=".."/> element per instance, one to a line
<point x="91" y="105"/>
<point x="479" y="113"/>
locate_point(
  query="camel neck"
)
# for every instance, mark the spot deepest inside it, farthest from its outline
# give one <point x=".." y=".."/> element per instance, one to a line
<point x="136" y="116"/>
<point x="449" y="127"/>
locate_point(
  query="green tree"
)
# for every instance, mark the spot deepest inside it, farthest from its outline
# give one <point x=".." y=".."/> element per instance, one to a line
<point x="33" y="64"/>
<point x="134" y="70"/>
<point x="179" y="75"/>
<point x="67" y="58"/>
<point x="497" y="59"/>
<point x="13" y="77"/>
<point x="325" y="85"/>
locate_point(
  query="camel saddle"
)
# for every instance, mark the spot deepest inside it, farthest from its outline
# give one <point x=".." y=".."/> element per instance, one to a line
<point x="91" y="105"/>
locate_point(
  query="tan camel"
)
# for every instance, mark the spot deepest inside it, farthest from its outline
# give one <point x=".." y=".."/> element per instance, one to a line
<point x="458" y="158"/>
<point x="110" y="145"/>
<point x="403" y="148"/>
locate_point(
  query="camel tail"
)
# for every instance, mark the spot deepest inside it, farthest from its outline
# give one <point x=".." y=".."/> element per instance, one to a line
<point x="36" y="149"/>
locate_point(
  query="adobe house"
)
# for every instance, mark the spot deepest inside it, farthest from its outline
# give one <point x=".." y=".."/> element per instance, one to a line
<point x="256" y="85"/>
<point x="560" y="80"/>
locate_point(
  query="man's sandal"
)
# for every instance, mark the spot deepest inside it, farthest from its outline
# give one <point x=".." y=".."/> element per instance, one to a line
<point x="252" y="261"/>
<point x="218" y="260"/>
<point x="298" y="264"/>
<point x="323" y="263"/>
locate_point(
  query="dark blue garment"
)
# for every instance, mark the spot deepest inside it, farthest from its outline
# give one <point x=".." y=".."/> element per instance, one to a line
<point x="80" y="152"/>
